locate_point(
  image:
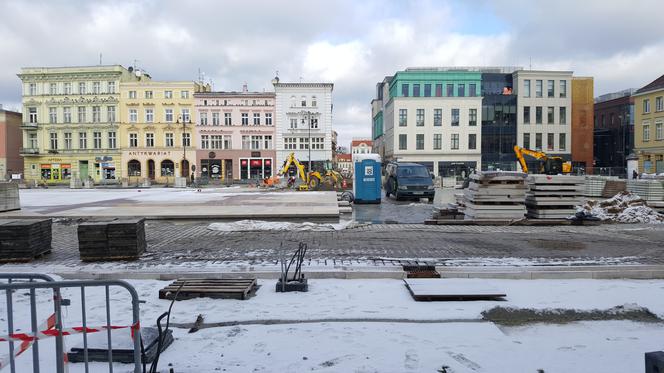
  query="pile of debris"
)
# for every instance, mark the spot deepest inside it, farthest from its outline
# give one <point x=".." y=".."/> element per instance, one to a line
<point x="624" y="207"/>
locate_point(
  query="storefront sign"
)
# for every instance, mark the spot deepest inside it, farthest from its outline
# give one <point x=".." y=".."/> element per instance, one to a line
<point x="255" y="154"/>
<point x="103" y="159"/>
<point x="150" y="153"/>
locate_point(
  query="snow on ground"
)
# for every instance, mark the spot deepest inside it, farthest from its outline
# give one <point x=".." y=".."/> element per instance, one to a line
<point x="427" y="336"/>
<point x="624" y="207"/>
<point x="261" y="225"/>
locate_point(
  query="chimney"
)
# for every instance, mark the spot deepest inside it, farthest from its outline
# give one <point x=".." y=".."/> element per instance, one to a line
<point x="245" y="89"/>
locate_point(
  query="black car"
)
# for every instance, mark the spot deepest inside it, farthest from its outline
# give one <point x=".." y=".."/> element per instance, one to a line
<point x="408" y="180"/>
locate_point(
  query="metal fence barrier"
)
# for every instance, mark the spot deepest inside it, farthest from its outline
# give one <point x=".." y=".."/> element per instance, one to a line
<point x="58" y="332"/>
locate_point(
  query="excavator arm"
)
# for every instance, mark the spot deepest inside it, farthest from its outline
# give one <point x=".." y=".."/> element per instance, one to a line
<point x="551" y="165"/>
<point x="291" y="160"/>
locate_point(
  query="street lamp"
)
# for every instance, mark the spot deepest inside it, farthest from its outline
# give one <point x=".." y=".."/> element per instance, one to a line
<point x="307" y="114"/>
<point x="184" y="146"/>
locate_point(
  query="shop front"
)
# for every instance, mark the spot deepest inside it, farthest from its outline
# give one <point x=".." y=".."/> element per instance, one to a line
<point x="158" y="166"/>
<point x="61" y="169"/>
<point x="55" y="172"/>
<point x="255" y="168"/>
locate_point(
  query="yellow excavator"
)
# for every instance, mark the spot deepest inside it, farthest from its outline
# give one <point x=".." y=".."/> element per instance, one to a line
<point x="548" y="165"/>
<point x="310" y="180"/>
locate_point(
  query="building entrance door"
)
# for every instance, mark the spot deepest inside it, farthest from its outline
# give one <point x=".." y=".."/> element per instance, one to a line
<point x="184" y="167"/>
<point x="151" y="169"/>
<point x="83" y="169"/>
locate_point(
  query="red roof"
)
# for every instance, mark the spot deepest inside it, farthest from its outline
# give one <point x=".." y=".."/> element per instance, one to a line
<point x="344" y="157"/>
<point x="358" y="142"/>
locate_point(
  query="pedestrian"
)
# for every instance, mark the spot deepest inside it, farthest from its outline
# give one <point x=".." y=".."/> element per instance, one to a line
<point x="635" y="175"/>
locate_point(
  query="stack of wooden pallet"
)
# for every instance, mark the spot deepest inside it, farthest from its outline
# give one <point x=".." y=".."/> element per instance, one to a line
<point x="495" y="195"/>
<point x="554" y="196"/>
<point x="189" y="288"/>
<point x="114" y="240"/>
<point x="9" y="199"/>
<point x="23" y="240"/>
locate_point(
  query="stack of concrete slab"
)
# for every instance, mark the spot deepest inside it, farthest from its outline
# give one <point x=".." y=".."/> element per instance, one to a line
<point x="9" y="198"/>
<point x="554" y="196"/>
<point x="648" y="190"/>
<point x="595" y="185"/>
<point x="495" y="195"/>
<point x="115" y="240"/>
<point x="23" y="240"/>
<point x="613" y="187"/>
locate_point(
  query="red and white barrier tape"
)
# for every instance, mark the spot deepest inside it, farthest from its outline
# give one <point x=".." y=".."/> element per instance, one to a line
<point x="25" y="345"/>
<point x="48" y="333"/>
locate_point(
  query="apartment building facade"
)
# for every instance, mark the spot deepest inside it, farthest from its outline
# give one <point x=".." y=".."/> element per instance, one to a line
<point x="613" y="132"/>
<point x="157" y="136"/>
<point x="430" y="116"/>
<point x="544" y="100"/>
<point x="236" y="132"/>
<point x="649" y="126"/>
<point x="11" y="162"/>
<point x="498" y="119"/>
<point x="583" y="102"/>
<point x="303" y="123"/>
<point x="71" y="122"/>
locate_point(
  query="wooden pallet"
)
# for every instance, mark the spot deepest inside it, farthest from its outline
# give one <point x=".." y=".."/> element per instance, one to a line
<point x="210" y="288"/>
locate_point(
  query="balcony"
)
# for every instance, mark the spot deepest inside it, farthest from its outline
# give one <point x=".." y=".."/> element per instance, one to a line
<point x="29" y="126"/>
<point x="29" y="151"/>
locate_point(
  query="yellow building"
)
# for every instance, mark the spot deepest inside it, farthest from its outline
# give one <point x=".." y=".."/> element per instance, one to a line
<point x="157" y="130"/>
<point x="70" y="122"/>
<point x="648" y="126"/>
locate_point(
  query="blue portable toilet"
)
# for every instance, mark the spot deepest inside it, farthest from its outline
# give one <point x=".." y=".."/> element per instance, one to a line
<point x="367" y="178"/>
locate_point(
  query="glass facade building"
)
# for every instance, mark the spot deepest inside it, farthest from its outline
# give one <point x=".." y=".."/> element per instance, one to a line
<point x="498" y="122"/>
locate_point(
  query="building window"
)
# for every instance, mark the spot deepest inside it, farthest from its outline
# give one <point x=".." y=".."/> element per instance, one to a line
<point x="148" y="94"/>
<point x="472" y="141"/>
<point x="549" y="141"/>
<point x="439" y="90"/>
<point x="186" y="118"/>
<point x="304" y="143"/>
<point x="110" y="114"/>
<point x="563" y="115"/>
<point x="149" y="115"/>
<point x="318" y="143"/>
<point x="53" y="89"/>
<point x="215" y="119"/>
<point x="96" y="88"/>
<point x="314" y="102"/>
<point x="290" y="143"/>
<point x="526" y="114"/>
<point x="32" y="141"/>
<point x="549" y="115"/>
<point x="659" y="103"/>
<point x="216" y="141"/>
<point x="427" y="90"/>
<point x="562" y="142"/>
<point x="81" y="88"/>
<point x="563" y="88"/>
<point x="268" y="119"/>
<point x="96" y="140"/>
<point x="549" y="88"/>
<point x="133" y="115"/>
<point x="32" y="88"/>
<point x="437" y="117"/>
<point x="168" y="114"/>
<point x="419" y="117"/>
<point x="313" y="122"/>
<point x="205" y="142"/>
<point x="66" y="111"/>
<point x="32" y="115"/>
<point x="227" y="119"/>
<point x="437" y="141"/>
<point x="526" y="140"/>
<point x="461" y="90"/>
<point x="404" y="90"/>
<point x="659" y="135"/>
<point x="168" y="94"/>
<point x="82" y="140"/>
<point x="184" y="94"/>
<point x="54" y="141"/>
<point x="455" y="141"/>
<point x="646" y="132"/>
<point x="419" y="141"/>
<point x="455" y="117"/>
<point x="403" y="117"/>
<point x="203" y="117"/>
<point x="257" y="119"/>
<point x="68" y="142"/>
<point x="110" y="87"/>
<point x="267" y="142"/>
<point x="67" y="88"/>
<point x="149" y="140"/>
<point x="416" y="90"/>
<point x="133" y="140"/>
<point x="293" y="123"/>
<point x="538" y="141"/>
<point x="303" y="101"/>
<point x="81" y="114"/>
<point x="538" y="88"/>
<point x="186" y="139"/>
<point x="526" y="88"/>
<point x="112" y="143"/>
<point x="52" y="115"/>
<point x="132" y="94"/>
<point x="245" y="119"/>
<point x="256" y="142"/>
<point x="246" y="142"/>
<point x="538" y="114"/>
<point x="169" y="140"/>
<point x="472" y="117"/>
<point x="96" y="114"/>
<point x="472" y="90"/>
<point x="646" y="106"/>
<point x="450" y="90"/>
<point x="403" y="142"/>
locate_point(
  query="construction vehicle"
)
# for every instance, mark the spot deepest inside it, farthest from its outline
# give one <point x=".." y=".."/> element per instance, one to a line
<point x="311" y="180"/>
<point x="548" y="165"/>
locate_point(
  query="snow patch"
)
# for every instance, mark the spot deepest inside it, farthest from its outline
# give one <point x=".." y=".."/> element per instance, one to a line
<point x="261" y="225"/>
<point x="624" y="207"/>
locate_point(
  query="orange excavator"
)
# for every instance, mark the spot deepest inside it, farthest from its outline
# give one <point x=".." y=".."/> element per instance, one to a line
<point x="548" y="165"/>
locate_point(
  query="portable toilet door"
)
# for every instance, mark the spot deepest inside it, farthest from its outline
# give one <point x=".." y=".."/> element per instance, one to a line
<point x="367" y="178"/>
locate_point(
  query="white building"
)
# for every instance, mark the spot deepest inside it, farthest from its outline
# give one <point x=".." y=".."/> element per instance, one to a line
<point x="544" y="111"/>
<point x="303" y="117"/>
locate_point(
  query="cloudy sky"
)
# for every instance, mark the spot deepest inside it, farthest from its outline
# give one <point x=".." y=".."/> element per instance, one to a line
<point x="353" y="44"/>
